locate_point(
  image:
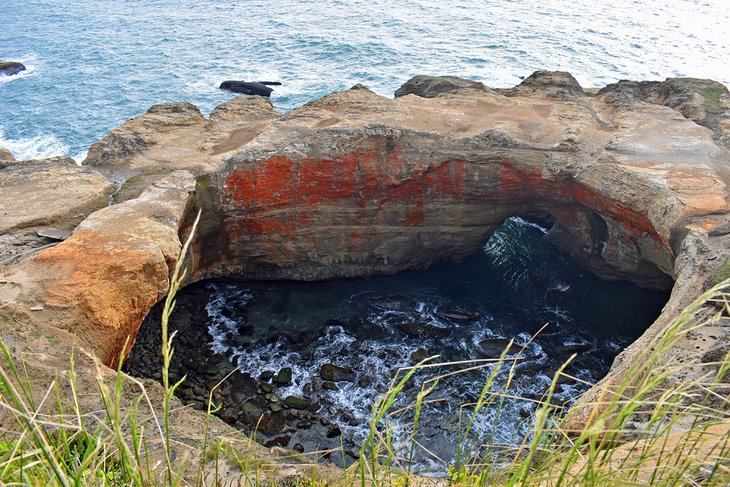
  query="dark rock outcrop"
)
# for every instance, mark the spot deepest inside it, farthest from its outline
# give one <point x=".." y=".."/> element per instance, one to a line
<point x="247" y="87"/>
<point x="557" y="85"/>
<point x="10" y="68"/>
<point x="431" y="86"/>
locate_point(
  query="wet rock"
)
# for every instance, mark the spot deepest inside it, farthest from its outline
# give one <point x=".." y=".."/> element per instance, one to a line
<point x="365" y="381"/>
<point x="493" y="347"/>
<point x="272" y="422"/>
<point x="252" y="410"/>
<point x="266" y="388"/>
<point x="420" y="329"/>
<point x="297" y="402"/>
<point x="11" y="68"/>
<point x="420" y="355"/>
<point x="333" y="431"/>
<point x="458" y="315"/>
<point x="330" y="386"/>
<point x="335" y="373"/>
<point x="298" y="447"/>
<point x="284" y="376"/>
<point x="247" y="88"/>
<point x="231" y="414"/>
<point x="212" y="370"/>
<point x="266" y="375"/>
<point x="401" y="304"/>
<point x="280" y="441"/>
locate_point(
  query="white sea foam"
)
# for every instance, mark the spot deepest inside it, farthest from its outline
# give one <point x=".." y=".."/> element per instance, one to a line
<point x="35" y="147"/>
<point x="30" y="70"/>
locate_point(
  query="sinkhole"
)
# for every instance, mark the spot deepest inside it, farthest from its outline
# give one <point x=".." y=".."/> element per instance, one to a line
<point x="314" y="357"/>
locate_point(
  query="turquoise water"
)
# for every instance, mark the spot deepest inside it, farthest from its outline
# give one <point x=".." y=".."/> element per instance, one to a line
<point x="93" y="64"/>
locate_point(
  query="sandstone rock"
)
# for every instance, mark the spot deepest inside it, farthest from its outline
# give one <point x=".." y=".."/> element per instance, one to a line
<point x="10" y="68"/>
<point x="431" y="86"/>
<point x="100" y="283"/>
<point x="61" y="193"/>
<point x="142" y="132"/>
<point x="6" y="158"/>
<point x="703" y="101"/>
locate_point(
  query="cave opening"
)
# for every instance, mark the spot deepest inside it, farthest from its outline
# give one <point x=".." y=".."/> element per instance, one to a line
<point x="313" y="357"/>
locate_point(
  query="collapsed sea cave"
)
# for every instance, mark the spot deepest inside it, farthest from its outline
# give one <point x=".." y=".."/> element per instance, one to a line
<point x="301" y="363"/>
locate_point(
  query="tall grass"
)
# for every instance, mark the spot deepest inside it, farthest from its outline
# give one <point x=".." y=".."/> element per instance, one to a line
<point x="682" y="437"/>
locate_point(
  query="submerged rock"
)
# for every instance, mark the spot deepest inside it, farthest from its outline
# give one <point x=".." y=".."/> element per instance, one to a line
<point x="458" y="315"/>
<point x="493" y="347"/>
<point x="401" y="304"/>
<point x="420" y="329"/>
<point x="10" y="68"/>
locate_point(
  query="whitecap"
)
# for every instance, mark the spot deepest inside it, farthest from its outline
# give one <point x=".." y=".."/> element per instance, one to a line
<point x="30" y="70"/>
<point x="37" y="147"/>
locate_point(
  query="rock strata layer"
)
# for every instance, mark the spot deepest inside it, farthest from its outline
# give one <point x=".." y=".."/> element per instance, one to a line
<point x="633" y="179"/>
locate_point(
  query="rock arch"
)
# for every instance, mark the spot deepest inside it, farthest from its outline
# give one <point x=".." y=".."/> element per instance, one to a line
<point x="356" y="184"/>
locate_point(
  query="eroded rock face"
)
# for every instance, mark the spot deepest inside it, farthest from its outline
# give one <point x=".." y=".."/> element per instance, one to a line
<point x="52" y="191"/>
<point x="431" y="86"/>
<point x="101" y="282"/>
<point x="356" y="184"/>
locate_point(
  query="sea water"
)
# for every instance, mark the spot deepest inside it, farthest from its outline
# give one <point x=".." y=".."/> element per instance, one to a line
<point x="93" y="64"/>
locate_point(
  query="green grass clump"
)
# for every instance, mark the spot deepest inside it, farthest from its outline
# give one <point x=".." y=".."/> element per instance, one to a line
<point x="713" y="104"/>
<point x="683" y="437"/>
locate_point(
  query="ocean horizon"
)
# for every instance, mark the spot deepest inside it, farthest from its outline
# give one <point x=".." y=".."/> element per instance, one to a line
<point x="92" y="64"/>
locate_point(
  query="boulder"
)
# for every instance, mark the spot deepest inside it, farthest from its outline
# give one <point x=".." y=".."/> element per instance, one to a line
<point x="432" y="86"/>
<point x="494" y="347"/>
<point x="6" y="158"/>
<point x="247" y="88"/>
<point x="10" y="68"/>
<point x="335" y="373"/>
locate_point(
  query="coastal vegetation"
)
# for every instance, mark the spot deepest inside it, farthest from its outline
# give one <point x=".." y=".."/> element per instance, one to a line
<point x="683" y="438"/>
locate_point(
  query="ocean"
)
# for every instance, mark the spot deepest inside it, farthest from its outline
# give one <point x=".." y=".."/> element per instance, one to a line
<point x="93" y="64"/>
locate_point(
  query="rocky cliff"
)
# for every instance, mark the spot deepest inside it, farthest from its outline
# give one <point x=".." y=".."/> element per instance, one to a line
<point x="633" y="178"/>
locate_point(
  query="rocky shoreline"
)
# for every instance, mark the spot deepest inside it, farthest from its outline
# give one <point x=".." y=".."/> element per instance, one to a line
<point x="633" y="176"/>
